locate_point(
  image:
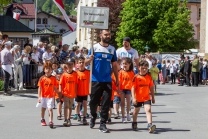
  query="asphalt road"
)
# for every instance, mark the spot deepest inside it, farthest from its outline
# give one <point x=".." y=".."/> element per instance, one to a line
<point x="179" y="113"/>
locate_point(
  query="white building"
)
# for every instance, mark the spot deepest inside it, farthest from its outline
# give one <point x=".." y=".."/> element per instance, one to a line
<point x="84" y="34"/>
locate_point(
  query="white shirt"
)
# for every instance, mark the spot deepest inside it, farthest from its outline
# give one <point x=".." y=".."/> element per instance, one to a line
<point x="35" y="56"/>
<point x="150" y="63"/>
<point x="173" y="68"/>
<point x="46" y="56"/>
<point x="26" y="61"/>
<point x="122" y="52"/>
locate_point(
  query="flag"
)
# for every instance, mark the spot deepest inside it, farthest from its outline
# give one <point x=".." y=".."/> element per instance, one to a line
<point x="16" y="15"/>
<point x="60" y="5"/>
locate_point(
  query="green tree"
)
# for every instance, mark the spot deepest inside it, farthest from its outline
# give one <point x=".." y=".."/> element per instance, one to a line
<point x="143" y="21"/>
<point x="4" y="3"/>
<point x="47" y="6"/>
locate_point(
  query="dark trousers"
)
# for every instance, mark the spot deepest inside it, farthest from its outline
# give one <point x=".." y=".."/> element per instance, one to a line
<point x="100" y="90"/>
<point x="188" y="79"/>
<point x="173" y="77"/>
<point x="195" y="78"/>
<point x="6" y="81"/>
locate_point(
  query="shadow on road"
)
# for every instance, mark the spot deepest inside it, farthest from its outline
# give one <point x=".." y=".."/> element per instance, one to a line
<point x="158" y="112"/>
<point x="166" y="94"/>
<point x="29" y="96"/>
<point x="1" y="105"/>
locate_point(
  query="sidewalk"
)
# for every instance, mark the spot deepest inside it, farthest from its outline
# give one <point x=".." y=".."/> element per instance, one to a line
<point x="21" y="91"/>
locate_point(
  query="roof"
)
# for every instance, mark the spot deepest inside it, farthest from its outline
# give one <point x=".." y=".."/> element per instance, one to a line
<point x="45" y="31"/>
<point x="192" y="1"/>
<point x="9" y="24"/>
<point x="28" y="10"/>
<point x="60" y="18"/>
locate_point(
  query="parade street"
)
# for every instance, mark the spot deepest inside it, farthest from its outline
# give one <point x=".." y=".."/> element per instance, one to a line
<point x="179" y="113"/>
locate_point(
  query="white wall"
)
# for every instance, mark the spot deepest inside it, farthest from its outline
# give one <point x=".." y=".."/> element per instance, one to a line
<point x="69" y="38"/>
<point x="52" y="22"/>
<point x="32" y="24"/>
<point x="84" y="34"/>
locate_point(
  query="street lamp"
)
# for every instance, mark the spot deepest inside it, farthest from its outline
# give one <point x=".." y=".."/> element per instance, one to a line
<point x="146" y="48"/>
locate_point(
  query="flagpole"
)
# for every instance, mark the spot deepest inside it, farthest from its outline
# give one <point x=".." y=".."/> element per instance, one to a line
<point x="36" y="5"/>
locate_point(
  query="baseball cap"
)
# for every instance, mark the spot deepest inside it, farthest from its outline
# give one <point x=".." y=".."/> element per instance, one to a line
<point x="127" y="39"/>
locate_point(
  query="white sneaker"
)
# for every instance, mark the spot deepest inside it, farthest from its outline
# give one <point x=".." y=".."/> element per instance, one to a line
<point x="128" y="117"/>
<point x="123" y="120"/>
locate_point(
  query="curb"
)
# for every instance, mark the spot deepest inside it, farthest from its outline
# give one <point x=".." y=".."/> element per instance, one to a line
<point x="31" y="91"/>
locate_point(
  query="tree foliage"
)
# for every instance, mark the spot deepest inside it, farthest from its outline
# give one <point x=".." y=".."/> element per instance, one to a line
<point x="115" y="7"/>
<point x="161" y="24"/>
<point x="4" y="3"/>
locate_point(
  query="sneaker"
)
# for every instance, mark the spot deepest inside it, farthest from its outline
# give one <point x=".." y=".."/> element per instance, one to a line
<point x="75" y="117"/>
<point x="7" y="94"/>
<point x="116" y="116"/>
<point x="155" y="92"/>
<point x="87" y="115"/>
<point x="43" y="122"/>
<point x="65" y="122"/>
<point x="98" y="115"/>
<point x="84" y="121"/>
<point x="92" y="122"/>
<point x="79" y="118"/>
<point x="134" y="126"/>
<point x="69" y="122"/>
<point x="123" y="120"/>
<point x="109" y="120"/>
<point x="103" y="128"/>
<point x="128" y="117"/>
<point x="151" y="128"/>
<point x="51" y="124"/>
<point x="58" y="117"/>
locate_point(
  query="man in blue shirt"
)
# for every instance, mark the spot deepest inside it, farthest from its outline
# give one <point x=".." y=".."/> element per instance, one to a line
<point x="64" y="53"/>
<point x="103" y="56"/>
<point x="159" y="66"/>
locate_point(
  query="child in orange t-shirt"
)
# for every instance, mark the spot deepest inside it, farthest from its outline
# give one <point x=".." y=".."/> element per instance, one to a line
<point x="58" y="96"/>
<point x="82" y="88"/>
<point x="47" y="86"/>
<point x="142" y="86"/>
<point x="68" y="87"/>
<point x="125" y="79"/>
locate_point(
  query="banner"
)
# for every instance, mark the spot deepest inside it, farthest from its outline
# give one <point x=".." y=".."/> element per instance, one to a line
<point x="94" y="17"/>
<point x="16" y="16"/>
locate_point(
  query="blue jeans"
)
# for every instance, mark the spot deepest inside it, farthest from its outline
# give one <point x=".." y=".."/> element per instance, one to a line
<point x="26" y="74"/>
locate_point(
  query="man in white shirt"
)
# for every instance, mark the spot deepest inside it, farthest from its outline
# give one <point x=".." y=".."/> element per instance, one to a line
<point x="127" y="51"/>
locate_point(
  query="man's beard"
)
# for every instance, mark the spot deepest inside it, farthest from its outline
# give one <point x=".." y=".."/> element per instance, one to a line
<point x="106" y="40"/>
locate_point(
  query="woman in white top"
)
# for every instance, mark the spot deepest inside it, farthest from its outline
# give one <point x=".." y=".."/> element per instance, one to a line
<point x="26" y="66"/>
<point x="167" y="71"/>
<point x="34" y="65"/>
<point x="173" y="69"/>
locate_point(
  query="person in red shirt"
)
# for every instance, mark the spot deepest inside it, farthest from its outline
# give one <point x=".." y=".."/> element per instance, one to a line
<point x="142" y="87"/>
<point x="47" y="86"/>
<point x="68" y="87"/>
<point x="82" y="88"/>
<point x="125" y="79"/>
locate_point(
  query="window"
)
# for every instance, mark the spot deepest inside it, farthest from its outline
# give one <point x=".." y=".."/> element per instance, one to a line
<point x="199" y="13"/>
<point x="38" y="21"/>
<point x="62" y="30"/>
<point x="45" y="21"/>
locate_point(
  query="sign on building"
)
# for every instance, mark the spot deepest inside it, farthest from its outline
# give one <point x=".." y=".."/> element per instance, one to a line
<point x="94" y="17"/>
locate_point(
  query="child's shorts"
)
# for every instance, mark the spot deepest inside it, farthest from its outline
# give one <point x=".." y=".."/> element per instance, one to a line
<point x="68" y="102"/>
<point x="117" y="100"/>
<point x="155" y="82"/>
<point x="127" y="92"/>
<point x="139" y="104"/>
<point x="47" y="103"/>
<point x="81" y="98"/>
<point x="59" y="100"/>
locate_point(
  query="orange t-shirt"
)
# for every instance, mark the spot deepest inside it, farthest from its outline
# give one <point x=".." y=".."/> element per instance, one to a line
<point x="57" y="86"/>
<point x="68" y="83"/>
<point x="125" y="79"/>
<point x="114" y="87"/>
<point x="47" y="85"/>
<point x="83" y="82"/>
<point x="142" y="86"/>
